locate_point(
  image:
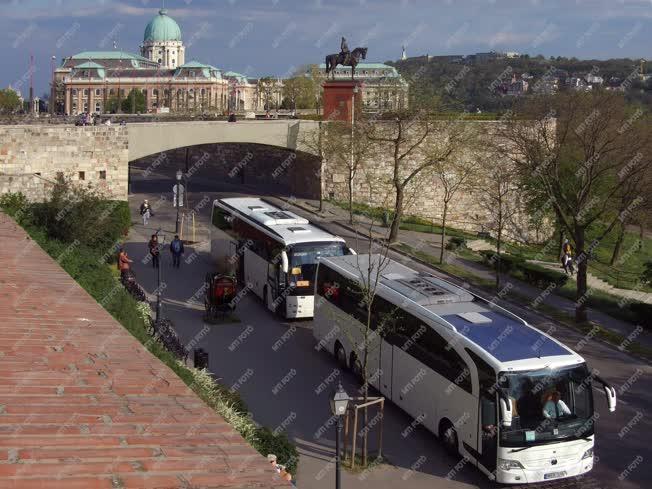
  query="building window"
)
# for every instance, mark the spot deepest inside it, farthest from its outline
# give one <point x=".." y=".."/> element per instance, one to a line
<point x="98" y="91"/>
<point x="74" y="92"/>
<point x="102" y="174"/>
<point x="85" y="92"/>
<point x="82" y="175"/>
<point x="98" y="107"/>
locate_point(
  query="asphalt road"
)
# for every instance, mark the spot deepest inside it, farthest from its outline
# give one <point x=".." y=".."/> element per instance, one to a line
<point x="275" y="367"/>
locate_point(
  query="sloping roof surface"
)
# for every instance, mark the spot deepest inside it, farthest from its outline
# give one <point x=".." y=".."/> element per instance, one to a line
<point x="85" y="405"/>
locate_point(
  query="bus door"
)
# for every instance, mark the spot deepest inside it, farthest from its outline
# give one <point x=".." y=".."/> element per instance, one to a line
<point x="488" y="431"/>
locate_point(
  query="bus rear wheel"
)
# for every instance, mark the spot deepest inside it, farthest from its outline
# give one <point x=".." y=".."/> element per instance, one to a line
<point x="448" y="437"/>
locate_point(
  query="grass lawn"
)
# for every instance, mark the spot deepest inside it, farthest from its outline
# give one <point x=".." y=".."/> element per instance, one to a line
<point x="408" y="223"/>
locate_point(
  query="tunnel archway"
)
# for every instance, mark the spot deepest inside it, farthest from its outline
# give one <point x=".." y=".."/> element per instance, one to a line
<point x="269" y="169"/>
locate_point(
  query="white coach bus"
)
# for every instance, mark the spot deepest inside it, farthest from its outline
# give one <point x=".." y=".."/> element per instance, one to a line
<point x="512" y="399"/>
<point x="274" y="251"/>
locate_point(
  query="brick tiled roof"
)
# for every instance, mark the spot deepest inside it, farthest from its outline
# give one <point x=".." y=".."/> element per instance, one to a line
<point x="84" y="405"/>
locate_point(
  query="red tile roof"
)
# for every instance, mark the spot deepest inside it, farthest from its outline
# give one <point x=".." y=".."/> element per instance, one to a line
<point x="84" y="405"/>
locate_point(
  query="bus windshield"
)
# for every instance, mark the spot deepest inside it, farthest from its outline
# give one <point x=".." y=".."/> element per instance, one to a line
<point x="548" y="405"/>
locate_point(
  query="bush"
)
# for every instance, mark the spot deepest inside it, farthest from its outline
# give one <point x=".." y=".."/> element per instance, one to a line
<point x="508" y="263"/>
<point x="541" y="277"/>
<point x="81" y="214"/>
<point x="455" y="243"/>
<point x="646" y="276"/>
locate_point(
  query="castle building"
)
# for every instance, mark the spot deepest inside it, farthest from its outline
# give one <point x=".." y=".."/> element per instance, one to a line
<point x="100" y="81"/>
<point x="383" y="88"/>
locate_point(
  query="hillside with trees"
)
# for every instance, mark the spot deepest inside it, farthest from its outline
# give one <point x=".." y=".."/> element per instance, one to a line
<point x="471" y="83"/>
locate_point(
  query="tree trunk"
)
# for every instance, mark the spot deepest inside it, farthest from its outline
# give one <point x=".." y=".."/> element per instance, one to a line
<point x="350" y="196"/>
<point x="499" y="237"/>
<point x="582" y="269"/>
<point x="443" y="232"/>
<point x="618" y="245"/>
<point x="640" y="235"/>
<point x="398" y="213"/>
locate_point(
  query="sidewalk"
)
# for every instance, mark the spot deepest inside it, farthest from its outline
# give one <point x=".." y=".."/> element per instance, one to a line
<point x="430" y="244"/>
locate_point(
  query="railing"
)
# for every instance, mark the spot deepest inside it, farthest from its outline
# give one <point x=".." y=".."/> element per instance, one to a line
<point x="615" y="275"/>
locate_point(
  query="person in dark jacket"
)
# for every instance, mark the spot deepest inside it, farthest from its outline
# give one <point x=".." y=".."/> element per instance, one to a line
<point x="154" y="250"/>
<point x="176" y="248"/>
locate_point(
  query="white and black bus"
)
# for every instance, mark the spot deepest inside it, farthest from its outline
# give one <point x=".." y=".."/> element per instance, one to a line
<point x="512" y="399"/>
<point x="274" y="251"/>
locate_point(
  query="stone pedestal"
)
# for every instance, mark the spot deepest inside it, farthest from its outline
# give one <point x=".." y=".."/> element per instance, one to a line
<point x="340" y="98"/>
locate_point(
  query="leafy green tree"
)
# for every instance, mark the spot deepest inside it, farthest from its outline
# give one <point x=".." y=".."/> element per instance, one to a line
<point x="9" y="101"/>
<point x="298" y="91"/>
<point x="112" y="104"/>
<point x="134" y="103"/>
<point x="581" y="151"/>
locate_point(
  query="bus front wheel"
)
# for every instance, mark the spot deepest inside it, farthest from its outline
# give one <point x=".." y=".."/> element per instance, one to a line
<point x="448" y="437"/>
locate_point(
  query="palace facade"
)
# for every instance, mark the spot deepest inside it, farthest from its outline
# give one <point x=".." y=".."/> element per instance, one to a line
<point x="87" y="81"/>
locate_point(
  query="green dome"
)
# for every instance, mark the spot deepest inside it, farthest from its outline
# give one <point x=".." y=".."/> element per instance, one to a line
<point x="162" y="28"/>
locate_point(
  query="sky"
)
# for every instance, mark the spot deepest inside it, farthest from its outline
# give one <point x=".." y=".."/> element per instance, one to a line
<point x="275" y="37"/>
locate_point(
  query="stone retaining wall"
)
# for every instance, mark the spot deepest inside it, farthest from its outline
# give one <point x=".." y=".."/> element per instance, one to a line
<point x="31" y="156"/>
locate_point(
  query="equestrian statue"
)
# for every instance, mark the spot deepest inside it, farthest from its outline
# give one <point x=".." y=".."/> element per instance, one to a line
<point x="345" y="58"/>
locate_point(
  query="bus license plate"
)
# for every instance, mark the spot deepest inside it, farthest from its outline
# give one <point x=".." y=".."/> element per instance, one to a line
<point x="554" y="475"/>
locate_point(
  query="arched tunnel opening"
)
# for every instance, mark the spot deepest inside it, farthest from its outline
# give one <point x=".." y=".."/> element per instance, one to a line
<point x="234" y="167"/>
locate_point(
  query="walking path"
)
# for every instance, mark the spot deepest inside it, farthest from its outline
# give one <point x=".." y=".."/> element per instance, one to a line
<point x="430" y="244"/>
<point x="84" y="405"/>
<point x="597" y="283"/>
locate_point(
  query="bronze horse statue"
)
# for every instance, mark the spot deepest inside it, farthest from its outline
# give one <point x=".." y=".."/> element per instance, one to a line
<point x="345" y="59"/>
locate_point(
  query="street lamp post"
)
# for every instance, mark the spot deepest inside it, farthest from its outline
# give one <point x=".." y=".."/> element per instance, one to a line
<point x="158" y="280"/>
<point x="339" y="404"/>
<point x="177" y="199"/>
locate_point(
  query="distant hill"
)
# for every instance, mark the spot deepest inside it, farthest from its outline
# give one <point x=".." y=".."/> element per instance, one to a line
<point x="474" y="82"/>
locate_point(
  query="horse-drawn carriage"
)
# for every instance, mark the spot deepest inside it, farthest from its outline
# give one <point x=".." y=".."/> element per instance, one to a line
<point x="221" y="291"/>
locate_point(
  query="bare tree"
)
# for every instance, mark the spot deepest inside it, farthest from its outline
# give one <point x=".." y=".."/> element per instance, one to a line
<point x="497" y="191"/>
<point x="453" y="175"/>
<point x="403" y="137"/>
<point x="570" y="149"/>
<point x="347" y="146"/>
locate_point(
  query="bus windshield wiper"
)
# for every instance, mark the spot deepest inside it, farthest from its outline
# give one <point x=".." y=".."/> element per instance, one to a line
<point x="520" y="449"/>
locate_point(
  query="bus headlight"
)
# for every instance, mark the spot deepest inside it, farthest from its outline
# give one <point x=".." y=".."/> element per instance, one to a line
<point x="588" y="453"/>
<point x="504" y="464"/>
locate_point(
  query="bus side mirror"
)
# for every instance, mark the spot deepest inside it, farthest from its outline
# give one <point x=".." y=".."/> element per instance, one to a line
<point x="284" y="262"/>
<point x="611" y="397"/>
<point x="352" y="251"/>
<point x="610" y="392"/>
<point x="506" y="412"/>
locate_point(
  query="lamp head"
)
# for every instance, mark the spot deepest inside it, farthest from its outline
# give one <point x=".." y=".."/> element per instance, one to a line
<point x="340" y="401"/>
<point x="179" y="175"/>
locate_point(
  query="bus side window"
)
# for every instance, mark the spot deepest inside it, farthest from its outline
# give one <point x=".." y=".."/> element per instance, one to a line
<point x="436" y="353"/>
<point x="328" y="284"/>
<point x="221" y="219"/>
<point x="486" y="374"/>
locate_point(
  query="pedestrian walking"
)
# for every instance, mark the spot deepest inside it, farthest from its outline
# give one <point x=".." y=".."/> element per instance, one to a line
<point x="145" y="211"/>
<point x="123" y="262"/>
<point x="567" y="257"/>
<point x="154" y="250"/>
<point x="176" y="248"/>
